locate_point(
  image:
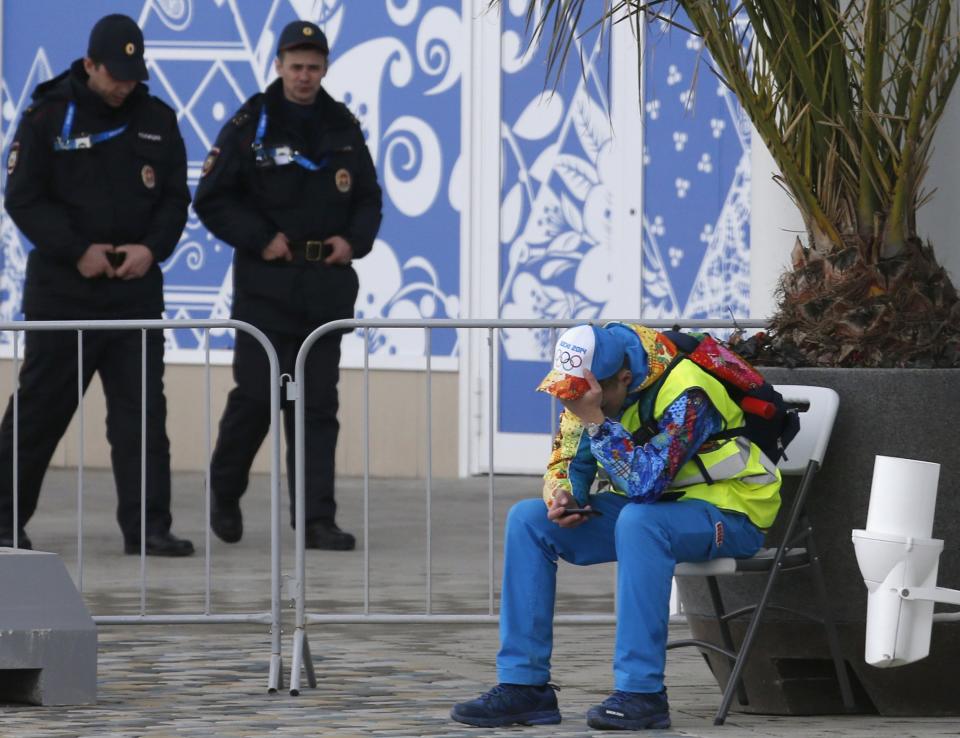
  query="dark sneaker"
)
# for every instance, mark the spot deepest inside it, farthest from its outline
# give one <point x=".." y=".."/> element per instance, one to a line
<point x="329" y="537"/>
<point x="510" y="704"/>
<point x="6" y="540"/>
<point x="226" y="520"/>
<point x="161" y="544"/>
<point x="631" y="711"/>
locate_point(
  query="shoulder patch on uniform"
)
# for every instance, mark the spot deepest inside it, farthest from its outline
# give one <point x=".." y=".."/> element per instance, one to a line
<point x="210" y="162"/>
<point x="12" y="157"/>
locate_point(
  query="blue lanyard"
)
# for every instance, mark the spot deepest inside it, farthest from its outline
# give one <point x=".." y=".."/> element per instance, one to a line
<point x="280" y="155"/>
<point x="65" y="143"/>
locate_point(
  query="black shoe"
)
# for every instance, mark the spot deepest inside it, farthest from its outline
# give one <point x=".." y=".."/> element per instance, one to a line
<point x="329" y="537"/>
<point x="226" y="520"/>
<point x="510" y="704"/>
<point x="631" y="711"/>
<point x="6" y="540"/>
<point x="161" y="544"/>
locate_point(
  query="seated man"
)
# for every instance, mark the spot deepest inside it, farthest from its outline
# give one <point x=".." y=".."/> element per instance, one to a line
<point x="649" y="441"/>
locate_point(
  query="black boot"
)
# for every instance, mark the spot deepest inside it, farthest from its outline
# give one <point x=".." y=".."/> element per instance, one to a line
<point x="6" y="540"/>
<point x="226" y="520"/>
<point x="160" y="544"/>
<point x="329" y="537"/>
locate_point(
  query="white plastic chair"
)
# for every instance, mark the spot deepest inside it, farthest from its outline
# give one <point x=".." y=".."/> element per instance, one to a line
<point x="818" y="408"/>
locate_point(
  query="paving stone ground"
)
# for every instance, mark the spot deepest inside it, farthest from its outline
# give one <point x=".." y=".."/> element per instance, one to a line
<point x="373" y="680"/>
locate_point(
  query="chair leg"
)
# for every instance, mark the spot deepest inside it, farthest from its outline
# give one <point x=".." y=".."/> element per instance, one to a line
<point x="833" y="640"/>
<point x="745" y="647"/>
<point x="725" y="636"/>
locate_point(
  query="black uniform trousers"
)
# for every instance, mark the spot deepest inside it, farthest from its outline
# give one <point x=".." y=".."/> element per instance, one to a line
<point x="48" y="400"/>
<point x="246" y="421"/>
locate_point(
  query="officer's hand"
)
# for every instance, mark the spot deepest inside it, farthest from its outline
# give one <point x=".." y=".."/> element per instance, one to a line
<point x="555" y="512"/>
<point x="342" y="251"/>
<point x="589" y="407"/>
<point x="94" y="262"/>
<point x="278" y="248"/>
<point x="137" y="260"/>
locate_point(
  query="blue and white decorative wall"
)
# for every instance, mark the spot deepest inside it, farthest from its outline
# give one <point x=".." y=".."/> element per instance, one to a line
<point x="399" y="66"/>
<point x="696" y="215"/>
<point x="556" y="211"/>
<point x="396" y="63"/>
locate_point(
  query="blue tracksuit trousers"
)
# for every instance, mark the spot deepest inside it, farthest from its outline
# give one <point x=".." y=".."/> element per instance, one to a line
<point x="646" y="541"/>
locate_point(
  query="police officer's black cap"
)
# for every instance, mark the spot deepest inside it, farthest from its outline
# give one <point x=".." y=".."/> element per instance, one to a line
<point x="302" y="34"/>
<point x="116" y="41"/>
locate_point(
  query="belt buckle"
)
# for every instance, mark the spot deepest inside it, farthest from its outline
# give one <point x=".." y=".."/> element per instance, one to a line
<point x="313" y="250"/>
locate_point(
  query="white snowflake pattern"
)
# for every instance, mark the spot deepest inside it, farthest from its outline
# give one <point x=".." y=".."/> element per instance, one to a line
<point x="682" y="186"/>
<point x="679" y="140"/>
<point x="716" y="126"/>
<point x="646" y="156"/>
<point x="657" y="227"/>
<point x="705" y="164"/>
<point x="653" y="109"/>
<point x="673" y="75"/>
<point x="694" y="43"/>
<point x="707" y="233"/>
<point x="676" y="256"/>
<point x="687" y="99"/>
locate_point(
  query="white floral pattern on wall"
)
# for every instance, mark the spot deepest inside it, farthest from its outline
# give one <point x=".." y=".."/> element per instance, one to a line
<point x="556" y="212"/>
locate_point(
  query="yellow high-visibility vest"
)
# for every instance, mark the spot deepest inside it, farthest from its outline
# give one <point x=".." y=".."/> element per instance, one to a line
<point x="744" y="479"/>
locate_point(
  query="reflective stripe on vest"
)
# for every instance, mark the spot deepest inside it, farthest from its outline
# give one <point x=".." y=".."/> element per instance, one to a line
<point x="744" y="480"/>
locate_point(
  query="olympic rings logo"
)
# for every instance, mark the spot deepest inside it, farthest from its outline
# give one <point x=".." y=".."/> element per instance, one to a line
<point x="569" y="361"/>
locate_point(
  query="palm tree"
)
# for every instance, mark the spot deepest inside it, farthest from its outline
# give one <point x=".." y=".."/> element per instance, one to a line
<point x="846" y="95"/>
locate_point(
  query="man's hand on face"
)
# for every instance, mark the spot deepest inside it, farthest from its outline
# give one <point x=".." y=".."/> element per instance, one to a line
<point x="341" y="253"/>
<point x="278" y="248"/>
<point x="137" y="260"/>
<point x="94" y="261"/>
<point x="555" y="512"/>
<point x="588" y="407"/>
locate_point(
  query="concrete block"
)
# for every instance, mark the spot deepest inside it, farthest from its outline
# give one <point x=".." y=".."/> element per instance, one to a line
<point x="48" y="641"/>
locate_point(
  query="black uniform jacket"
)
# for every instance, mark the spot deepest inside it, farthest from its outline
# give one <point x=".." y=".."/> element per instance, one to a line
<point x="129" y="189"/>
<point x="246" y="204"/>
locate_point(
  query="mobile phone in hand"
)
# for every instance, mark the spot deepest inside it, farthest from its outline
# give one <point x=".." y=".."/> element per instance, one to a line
<point x="580" y="511"/>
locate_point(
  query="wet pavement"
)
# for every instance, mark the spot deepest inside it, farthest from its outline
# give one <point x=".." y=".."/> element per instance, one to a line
<point x="373" y="680"/>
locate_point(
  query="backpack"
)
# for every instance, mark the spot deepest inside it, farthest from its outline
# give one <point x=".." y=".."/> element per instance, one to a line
<point x="769" y="421"/>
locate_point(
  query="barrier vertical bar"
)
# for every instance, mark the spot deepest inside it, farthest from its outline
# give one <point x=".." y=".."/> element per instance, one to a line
<point x="275" y="678"/>
<point x="490" y="431"/>
<point x="80" y="447"/>
<point x="143" y="471"/>
<point x="366" y="471"/>
<point x="299" y="634"/>
<point x="553" y="400"/>
<point x="16" y="439"/>
<point x="206" y="486"/>
<point x="429" y="462"/>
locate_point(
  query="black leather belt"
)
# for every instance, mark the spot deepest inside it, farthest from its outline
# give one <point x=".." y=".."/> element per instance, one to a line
<point x="313" y="251"/>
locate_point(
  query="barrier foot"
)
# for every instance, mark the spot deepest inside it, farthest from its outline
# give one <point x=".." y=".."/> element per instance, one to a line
<point x="308" y="662"/>
<point x="296" y="660"/>
<point x="275" y="680"/>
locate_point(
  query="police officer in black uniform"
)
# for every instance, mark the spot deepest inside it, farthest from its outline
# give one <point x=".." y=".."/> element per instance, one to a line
<point x="290" y="185"/>
<point x="97" y="182"/>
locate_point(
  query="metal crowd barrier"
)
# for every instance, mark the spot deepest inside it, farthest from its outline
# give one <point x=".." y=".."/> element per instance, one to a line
<point x="297" y="391"/>
<point x="275" y="678"/>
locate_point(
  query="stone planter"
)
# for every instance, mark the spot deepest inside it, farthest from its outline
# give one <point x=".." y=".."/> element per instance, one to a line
<point x="909" y="413"/>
